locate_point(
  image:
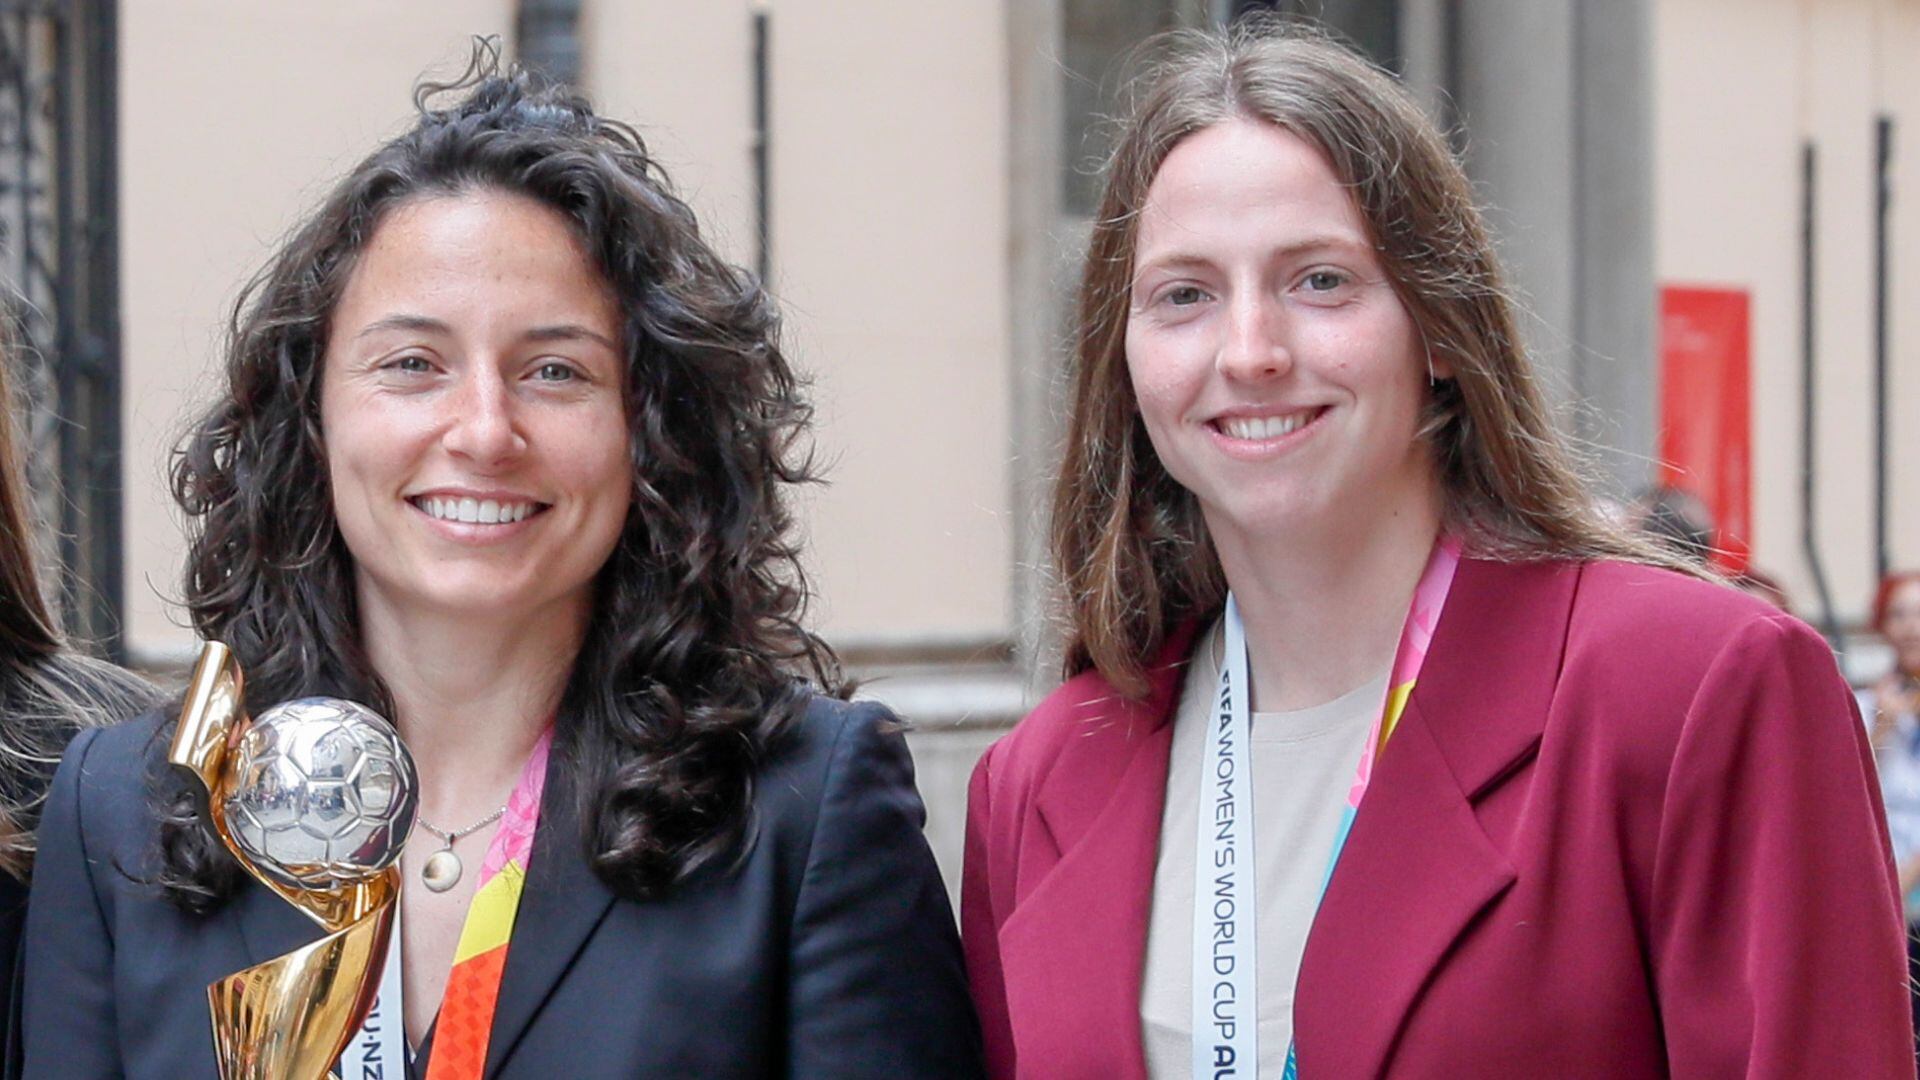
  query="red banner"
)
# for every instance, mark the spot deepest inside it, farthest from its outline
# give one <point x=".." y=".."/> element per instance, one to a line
<point x="1706" y="409"/>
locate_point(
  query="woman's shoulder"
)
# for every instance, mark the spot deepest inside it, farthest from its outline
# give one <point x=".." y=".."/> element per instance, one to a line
<point x="840" y="775"/>
<point x="1085" y="705"/>
<point x="131" y="743"/>
<point x="109" y="768"/>
<point x="827" y="740"/>
<point x="819" y="729"/>
<point x="1637" y="589"/>
<point x="1088" y="711"/>
<point x="1661" y="652"/>
<point x="1654" y="616"/>
<point x="100" y="824"/>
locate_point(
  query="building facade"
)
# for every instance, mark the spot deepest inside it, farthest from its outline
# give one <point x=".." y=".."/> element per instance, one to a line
<point x="914" y="180"/>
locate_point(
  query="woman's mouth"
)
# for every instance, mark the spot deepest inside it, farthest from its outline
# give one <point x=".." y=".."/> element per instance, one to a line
<point x="1261" y="428"/>
<point x="469" y="511"/>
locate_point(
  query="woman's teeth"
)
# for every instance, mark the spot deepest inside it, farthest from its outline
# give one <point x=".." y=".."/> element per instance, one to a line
<point x="475" y="511"/>
<point x="1266" y="427"/>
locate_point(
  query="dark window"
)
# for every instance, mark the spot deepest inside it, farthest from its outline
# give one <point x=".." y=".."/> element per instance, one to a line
<point x="1099" y="39"/>
<point x="1372" y="26"/>
<point x="59" y="253"/>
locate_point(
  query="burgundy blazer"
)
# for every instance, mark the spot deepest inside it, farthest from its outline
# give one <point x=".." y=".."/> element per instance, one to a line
<point x="1628" y="827"/>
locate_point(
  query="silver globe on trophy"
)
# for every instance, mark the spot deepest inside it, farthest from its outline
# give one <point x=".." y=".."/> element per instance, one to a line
<point x="315" y="798"/>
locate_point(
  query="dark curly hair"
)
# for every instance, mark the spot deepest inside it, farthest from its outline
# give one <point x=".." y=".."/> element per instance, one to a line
<point x="695" y="659"/>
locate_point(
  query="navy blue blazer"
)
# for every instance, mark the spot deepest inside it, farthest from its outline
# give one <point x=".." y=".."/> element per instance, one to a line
<point x="828" y="951"/>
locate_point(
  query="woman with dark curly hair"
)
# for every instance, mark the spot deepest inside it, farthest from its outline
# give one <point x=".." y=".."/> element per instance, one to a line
<point x="502" y="453"/>
<point x="48" y="691"/>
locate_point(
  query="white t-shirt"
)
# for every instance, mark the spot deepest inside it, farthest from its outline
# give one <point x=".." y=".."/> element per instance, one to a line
<point x="1303" y="764"/>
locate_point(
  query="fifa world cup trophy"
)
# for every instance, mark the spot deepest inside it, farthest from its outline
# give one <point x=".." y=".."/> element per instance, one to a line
<point x="315" y="798"/>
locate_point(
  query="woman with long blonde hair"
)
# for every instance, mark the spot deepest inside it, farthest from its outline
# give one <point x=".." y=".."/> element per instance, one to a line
<point x="1381" y="752"/>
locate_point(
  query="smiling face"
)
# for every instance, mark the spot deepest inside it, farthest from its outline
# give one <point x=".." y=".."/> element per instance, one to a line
<point x="1277" y="372"/>
<point x="473" y="412"/>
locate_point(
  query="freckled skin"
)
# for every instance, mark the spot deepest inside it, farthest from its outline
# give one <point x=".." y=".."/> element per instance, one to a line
<point x="443" y="374"/>
<point x="1256" y="291"/>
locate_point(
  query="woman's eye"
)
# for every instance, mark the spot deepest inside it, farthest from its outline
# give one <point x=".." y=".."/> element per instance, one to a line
<point x="1324" y="281"/>
<point x="411" y="364"/>
<point x="554" y="371"/>
<point x="1184" y="295"/>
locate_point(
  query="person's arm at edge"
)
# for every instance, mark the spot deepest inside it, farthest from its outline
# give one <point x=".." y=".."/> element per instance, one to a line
<point x="69" y="1025"/>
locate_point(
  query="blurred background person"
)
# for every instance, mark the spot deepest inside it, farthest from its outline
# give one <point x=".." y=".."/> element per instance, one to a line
<point x="1675" y="519"/>
<point x="1895" y="698"/>
<point x="1761" y="585"/>
<point x="1892" y="710"/>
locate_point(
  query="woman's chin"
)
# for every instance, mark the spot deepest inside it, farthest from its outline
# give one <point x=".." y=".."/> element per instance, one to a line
<point x="491" y="603"/>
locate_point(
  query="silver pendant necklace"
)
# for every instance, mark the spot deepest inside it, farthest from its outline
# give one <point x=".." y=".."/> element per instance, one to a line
<point x="443" y="868"/>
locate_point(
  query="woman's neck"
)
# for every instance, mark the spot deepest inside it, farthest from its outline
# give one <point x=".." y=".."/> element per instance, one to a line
<point x="473" y="696"/>
<point x="1323" y="609"/>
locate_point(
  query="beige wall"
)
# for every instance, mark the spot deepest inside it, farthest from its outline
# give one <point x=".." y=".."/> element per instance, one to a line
<point x="681" y="73"/>
<point x="890" y="256"/>
<point x="888" y="180"/>
<point x="889" y="210"/>
<point x="234" y="117"/>
<point x="889" y="217"/>
<point x="1738" y="84"/>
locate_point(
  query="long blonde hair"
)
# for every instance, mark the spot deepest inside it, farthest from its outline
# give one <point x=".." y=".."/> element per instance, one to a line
<point x="1128" y="540"/>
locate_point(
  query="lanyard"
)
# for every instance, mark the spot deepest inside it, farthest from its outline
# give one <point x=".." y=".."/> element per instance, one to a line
<point x="1225" y="1034"/>
<point x="1225" y="1008"/>
<point x="379" y="1049"/>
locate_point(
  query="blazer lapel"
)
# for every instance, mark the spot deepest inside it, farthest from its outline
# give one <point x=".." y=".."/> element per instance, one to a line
<point x="1417" y="867"/>
<point x="564" y="901"/>
<point x="1073" y="947"/>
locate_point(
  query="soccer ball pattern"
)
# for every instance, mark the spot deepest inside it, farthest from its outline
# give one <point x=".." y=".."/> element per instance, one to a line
<point x="321" y="793"/>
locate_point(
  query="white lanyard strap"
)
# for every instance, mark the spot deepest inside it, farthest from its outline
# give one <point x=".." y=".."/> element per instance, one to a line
<point x="379" y="1049"/>
<point x="1225" y="1010"/>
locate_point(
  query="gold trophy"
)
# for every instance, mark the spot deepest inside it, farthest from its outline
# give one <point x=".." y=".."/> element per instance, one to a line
<point x="315" y="798"/>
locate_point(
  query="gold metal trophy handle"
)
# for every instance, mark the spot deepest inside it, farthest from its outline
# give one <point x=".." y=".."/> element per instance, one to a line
<point x="213" y="713"/>
<point x="291" y="1017"/>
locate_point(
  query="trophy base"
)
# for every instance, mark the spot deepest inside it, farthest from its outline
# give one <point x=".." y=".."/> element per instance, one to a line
<point x="292" y="1017"/>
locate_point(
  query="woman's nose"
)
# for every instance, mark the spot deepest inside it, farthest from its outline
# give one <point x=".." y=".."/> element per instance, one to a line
<point x="484" y="428"/>
<point x="1255" y="345"/>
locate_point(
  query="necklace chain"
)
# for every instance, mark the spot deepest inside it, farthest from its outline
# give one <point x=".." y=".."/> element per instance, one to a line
<point x="455" y="836"/>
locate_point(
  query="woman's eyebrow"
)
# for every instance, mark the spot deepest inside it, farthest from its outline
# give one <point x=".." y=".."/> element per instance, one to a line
<point x="569" y="332"/>
<point x="428" y="324"/>
<point x="1306" y="245"/>
<point x="404" y="321"/>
